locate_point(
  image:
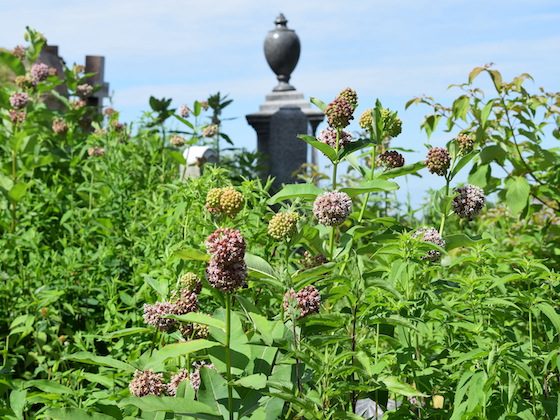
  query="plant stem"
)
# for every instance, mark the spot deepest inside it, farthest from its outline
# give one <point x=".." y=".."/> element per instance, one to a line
<point x="228" y="355"/>
<point x="364" y="204"/>
<point x="444" y="215"/>
<point x="335" y="166"/>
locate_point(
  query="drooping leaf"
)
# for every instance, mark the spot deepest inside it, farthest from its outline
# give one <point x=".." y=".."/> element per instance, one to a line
<point x="375" y="185"/>
<point x="106" y="361"/>
<point x="291" y="191"/>
<point x="517" y="194"/>
<point x="200" y="318"/>
<point x="327" y="150"/>
<point x="175" y="350"/>
<point x="256" y="381"/>
<point x="191" y="254"/>
<point x="178" y="406"/>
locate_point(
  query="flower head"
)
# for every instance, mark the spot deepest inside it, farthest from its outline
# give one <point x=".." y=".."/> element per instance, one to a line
<point x="332" y="208"/>
<point x="146" y="382"/>
<point x="339" y="113"/>
<point x="84" y="90"/>
<point x="210" y="130"/>
<point x="39" y="72"/>
<point x="429" y="234"/>
<point x="77" y="104"/>
<point x="465" y="143"/>
<point x="226" y="245"/>
<point x="17" y="117"/>
<point x="96" y="151"/>
<point x="195" y="376"/>
<point x="154" y="315"/>
<point x="310" y="261"/>
<point x="59" y="126"/>
<point x="283" y="225"/>
<point x="231" y="201"/>
<point x="350" y="96"/>
<point x="213" y="200"/>
<point x="19" y="51"/>
<point x="328" y="136"/>
<point x="187" y="302"/>
<point x="438" y="160"/>
<point x="184" y="111"/>
<point x="366" y="119"/>
<point x="177" y="141"/>
<point x="191" y="282"/>
<point x="469" y="201"/>
<point x="392" y="123"/>
<point x="390" y="159"/>
<point x="226" y="277"/>
<point x="19" y="100"/>
<point x="304" y="302"/>
<point x="175" y="381"/>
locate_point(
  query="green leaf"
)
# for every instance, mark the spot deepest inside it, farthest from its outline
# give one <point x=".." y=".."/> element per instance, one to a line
<point x="213" y="392"/>
<point x="126" y="332"/>
<point x="485" y="113"/>
<point x="493" y="153"/>
<point x="175" y="350"/>
<point x="327" y="150"/>
<point x="75" y="414"/>
<point x="259" y="267"/>
<point x="178" y="406"/>
<point x="461" y="240"/>
<point x="496" y="78"/>
<point x="461" y="164"/>
<point x="517" y="194"/>
<point x="49" y="386"/>
<point x="12" y="62"/>
<point x="318" y="103"/>
<point x="5" y="182"/>
<point x="257" y="381"/>
<point x="17" y="402"/>
<point x="352" y="147"/>
<point x="375" y="185"/>
<point x="413" y="169"/>
<point x="551" y="314"/>
<point x="474" y="73"/>
<point x="400" y="388"/>
<point x="184" y="121"/>
<point x="290" y="191"/>
<point x="200" y="318"/>
<point x="106" y="361"/>
<point x="17" y="192"/>
<point x="191" y="254"/>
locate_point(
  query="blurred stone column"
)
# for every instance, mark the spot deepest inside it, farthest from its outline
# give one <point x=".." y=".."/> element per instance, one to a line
<point x="96" y="64"/>
<point x="285" y="113"/>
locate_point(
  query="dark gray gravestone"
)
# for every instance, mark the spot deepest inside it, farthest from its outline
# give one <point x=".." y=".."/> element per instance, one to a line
<point x="96" y="64"/>
<point x="287" y="153"/>
<point x="279" y="143"/>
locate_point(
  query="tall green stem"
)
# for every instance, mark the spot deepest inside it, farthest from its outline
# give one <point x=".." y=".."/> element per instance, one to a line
<point x="445" y="209"/>
<point x="228" y="355"/>
<point x="364" y="204"/>
<point x="335" y="167"/>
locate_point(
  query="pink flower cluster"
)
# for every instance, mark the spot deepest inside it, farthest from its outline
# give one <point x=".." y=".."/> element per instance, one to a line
<point x="332" y="208"/>
<point x="304" y="302"/>
<point x="227" y="270"/>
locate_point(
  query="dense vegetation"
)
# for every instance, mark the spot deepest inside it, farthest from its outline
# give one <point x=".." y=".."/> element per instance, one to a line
<point x="130" y="293"/>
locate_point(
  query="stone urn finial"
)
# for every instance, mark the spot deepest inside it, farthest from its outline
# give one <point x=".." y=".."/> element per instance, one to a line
<point x="281" y="49"/>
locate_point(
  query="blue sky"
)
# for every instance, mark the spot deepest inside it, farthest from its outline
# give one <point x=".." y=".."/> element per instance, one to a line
<point x="392" y="50"/>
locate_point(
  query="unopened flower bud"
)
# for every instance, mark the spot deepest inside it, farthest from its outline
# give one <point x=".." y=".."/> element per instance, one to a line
<point x="231" y="201"/>
<point x="465" y="143"/>
<point x="19" y="100"/>
<point x="390" y="159"/>
<point x="438" y="160"/>
<point x="283" y="225"/>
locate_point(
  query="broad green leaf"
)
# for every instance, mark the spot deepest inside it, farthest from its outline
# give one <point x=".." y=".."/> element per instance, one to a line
<point x="400" y="388"/>
<point x="178" y="406"/>
<point x="257" y="381"/>
<point x="485" y="113"/>
<point x="106" y="361"/>
<point x="259" y="267"/>
<point x="184" y="121"/>
<point x="5" y="183"/>
<point x="49" y="386"/>
<point x="411" y="169"/>
<point x="352" y="147"/>
<point x="461" y="164"/>
<point x="17" y="192"/>
<point x="213" y="392"/>
<point x="200" y="318"/>
<point x="493" y="153"/>
<point x="327" y="150"/>
<point x="517" y="194"/>
<point x="375" y="185"/>
<point x="191" y="254"/>
<point x="291" y="191"/>
<point x="551" y="314"/>
<point x="461" y="240"/>
<point x="17" y="402"/>
<point x="75" y="414"/>
<point x="175" y="350"/>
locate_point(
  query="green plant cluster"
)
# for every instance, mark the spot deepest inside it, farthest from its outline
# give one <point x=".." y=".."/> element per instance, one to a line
<point x="130" y="293"/>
